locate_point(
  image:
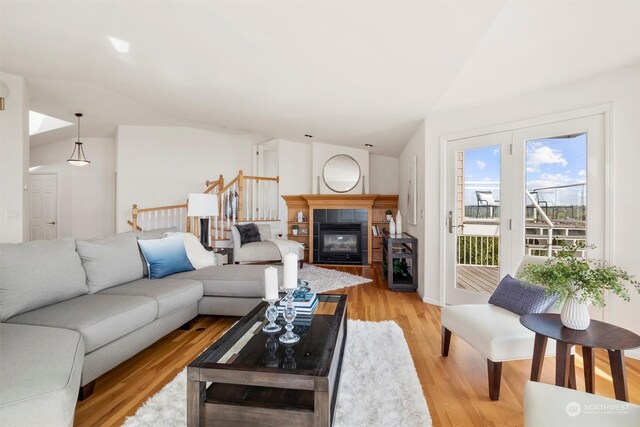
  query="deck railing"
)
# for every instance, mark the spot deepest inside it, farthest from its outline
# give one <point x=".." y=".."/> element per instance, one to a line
<point x="243" y="199"/>
<point x="478" y="250"/>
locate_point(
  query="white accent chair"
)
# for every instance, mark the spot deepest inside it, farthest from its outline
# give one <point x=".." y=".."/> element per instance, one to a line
<point x="258" y="252"/>
<point x="547" y="405"/>
<point x="495" y="332"/>
<point x="254" y="252"/>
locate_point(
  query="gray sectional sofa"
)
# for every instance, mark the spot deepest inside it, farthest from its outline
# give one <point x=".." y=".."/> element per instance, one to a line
<point x="71" y="310"/>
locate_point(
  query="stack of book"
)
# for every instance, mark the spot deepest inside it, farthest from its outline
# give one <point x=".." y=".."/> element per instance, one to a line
<point x="304" y="305"/>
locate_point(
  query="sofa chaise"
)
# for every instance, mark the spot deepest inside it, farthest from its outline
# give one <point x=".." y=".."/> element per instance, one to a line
<point x="85" y="306"/>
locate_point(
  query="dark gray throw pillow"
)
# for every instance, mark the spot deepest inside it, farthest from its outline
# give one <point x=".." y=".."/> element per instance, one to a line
<point x="248" y="233"/>
<point x="521" y="298"/>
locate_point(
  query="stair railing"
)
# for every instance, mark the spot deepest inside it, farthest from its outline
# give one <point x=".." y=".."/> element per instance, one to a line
<point x="245" y="198"/>
<point x="161" y="217"/>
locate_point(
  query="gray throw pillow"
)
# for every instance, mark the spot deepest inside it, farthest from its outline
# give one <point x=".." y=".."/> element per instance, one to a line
<point x="110" y="261"/>
<point x="521" y="298"/>
<point x="39" y="273"/>
<point x="248" y="233"/>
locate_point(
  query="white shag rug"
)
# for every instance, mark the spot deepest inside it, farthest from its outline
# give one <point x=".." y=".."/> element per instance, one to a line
<point x="379" y="385"/>
<point x="322" y="280"/>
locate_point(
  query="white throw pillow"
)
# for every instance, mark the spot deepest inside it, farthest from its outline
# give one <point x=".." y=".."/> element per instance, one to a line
<point x="197" y="254"/>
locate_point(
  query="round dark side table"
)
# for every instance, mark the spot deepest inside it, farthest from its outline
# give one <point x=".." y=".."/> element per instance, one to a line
<point x="598" y="335"/>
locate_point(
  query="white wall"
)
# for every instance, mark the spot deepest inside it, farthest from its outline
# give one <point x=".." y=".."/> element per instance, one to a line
<point x="14" y="161"/>
<point x="158" y="166"/>
<point x="621" y="88"/>
<point x="416" y="147"/>
<point x="383" y="172"/>
<point x="294" y="161"/>
<point x="87" y="194"/>
<point x="322" y="152"/>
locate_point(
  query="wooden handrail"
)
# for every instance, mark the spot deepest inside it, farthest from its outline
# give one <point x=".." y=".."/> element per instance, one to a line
<point x="226" y="187"/>
<point x="262" y="178"/>
<point x="211" y="185"/>
<point x="135" y="211"/>
<point x="160" y="208"/>
<point x="137" y="227"/>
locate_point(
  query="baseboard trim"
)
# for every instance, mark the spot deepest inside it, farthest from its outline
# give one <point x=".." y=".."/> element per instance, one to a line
<point x="431" y="301"/>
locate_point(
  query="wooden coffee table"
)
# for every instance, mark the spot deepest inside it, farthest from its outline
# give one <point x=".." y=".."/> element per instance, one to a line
<point x="257" y="380"/>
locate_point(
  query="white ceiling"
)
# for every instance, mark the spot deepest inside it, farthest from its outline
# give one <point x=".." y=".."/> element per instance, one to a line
<point x="347" y="72"/>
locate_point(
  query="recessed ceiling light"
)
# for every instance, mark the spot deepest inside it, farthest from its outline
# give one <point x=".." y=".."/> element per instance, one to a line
<point x="119" y="45"/>
<point x="308" y="136"/>
<point x="368" y="145"/>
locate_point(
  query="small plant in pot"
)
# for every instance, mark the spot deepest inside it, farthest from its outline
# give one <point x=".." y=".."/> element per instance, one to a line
<point x="295" y="229"/>
<point x="389" y="214"/>
<point x="579" y="282"/>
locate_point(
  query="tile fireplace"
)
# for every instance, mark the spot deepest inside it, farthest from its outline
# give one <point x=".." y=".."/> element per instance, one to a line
<point x="340" y="236"/>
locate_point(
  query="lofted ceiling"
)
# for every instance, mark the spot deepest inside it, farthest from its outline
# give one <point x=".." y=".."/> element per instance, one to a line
<point x="347" y="72"/>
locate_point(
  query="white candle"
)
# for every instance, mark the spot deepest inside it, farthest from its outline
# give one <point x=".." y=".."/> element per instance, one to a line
<point x="271" y="283"/>
<point x="290" y="271"/>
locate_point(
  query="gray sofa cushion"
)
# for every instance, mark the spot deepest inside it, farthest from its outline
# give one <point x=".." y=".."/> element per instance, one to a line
<point x="110" y="261"/>
<point x="244" y="281"/>
<point x="99" y="318"/>
<point x="257" y="251"/>
<point x="40" y="375"/>
<point x="171" y="294"/>
<point x="38" y="273"/>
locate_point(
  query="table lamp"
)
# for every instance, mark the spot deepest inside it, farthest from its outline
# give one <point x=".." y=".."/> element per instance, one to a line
<point x="203" y="206"/>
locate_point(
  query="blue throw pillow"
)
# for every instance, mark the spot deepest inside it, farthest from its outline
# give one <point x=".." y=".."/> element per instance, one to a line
<point x="165" y="256"/>
<point x="521" y="298"/>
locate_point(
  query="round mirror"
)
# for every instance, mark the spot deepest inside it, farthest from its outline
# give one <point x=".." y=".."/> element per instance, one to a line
<point x="341" y="173"/>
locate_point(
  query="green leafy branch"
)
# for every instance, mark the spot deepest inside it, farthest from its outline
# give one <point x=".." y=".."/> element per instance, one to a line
<point x="586" y="281"/>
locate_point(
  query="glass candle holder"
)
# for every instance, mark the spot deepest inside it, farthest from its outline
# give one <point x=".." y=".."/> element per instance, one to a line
<point x="271" y="314"/>
<point x="289" y="315"/>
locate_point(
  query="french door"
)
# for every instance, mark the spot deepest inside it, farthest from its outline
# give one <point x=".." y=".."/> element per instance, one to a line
<point x="477" y="211"/>
<point x="528" y="191"/>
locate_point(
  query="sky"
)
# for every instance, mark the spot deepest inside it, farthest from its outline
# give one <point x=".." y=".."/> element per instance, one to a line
<point x="549" y="162"/>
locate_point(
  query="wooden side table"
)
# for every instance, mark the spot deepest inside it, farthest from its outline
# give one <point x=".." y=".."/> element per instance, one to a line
<point x="598" y="335"/>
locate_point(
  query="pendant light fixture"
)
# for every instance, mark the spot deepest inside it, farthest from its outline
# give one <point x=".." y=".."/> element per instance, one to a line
<point x="77" y="157"/>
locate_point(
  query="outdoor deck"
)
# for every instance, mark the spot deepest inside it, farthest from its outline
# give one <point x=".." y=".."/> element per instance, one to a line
<point x="478" y="278"/>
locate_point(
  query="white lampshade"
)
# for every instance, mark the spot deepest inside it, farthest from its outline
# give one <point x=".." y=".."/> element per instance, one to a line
<point x="201" y="204"/>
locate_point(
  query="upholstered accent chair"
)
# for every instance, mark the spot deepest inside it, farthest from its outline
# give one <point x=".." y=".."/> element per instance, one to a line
<point x="547" y="405"/>
<point x="262" y="251"/>
<point x="495" y="332"/>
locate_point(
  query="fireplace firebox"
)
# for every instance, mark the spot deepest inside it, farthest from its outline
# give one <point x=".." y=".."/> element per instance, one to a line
<point x="340" y="243"/>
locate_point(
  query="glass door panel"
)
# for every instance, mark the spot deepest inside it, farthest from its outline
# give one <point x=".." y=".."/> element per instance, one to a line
<point x="476" y="207"/>
<point x="555" y="194"/>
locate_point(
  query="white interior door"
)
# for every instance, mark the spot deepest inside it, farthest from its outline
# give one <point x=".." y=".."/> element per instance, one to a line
<point x="44" y="206"/>
<point x="478" y="212"/>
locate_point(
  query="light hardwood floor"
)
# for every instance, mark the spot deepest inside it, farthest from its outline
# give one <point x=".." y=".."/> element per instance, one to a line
<point x="455" y="387"/>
